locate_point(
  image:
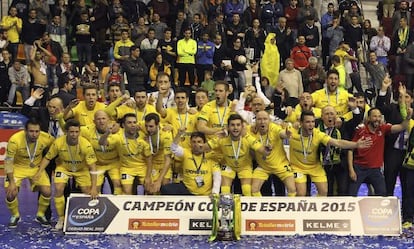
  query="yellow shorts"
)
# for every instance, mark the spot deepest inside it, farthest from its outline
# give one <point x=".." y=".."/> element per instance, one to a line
<point x="128" y="175"/>
<point x="282" y="172"/>
<point x="82" y="177"/>
<point x="155" y="174"/>
<point x="112" y="169"/>
<point x="316" y="173"/>
<point x="23" y="173"/>
<point x="244" y="172"/>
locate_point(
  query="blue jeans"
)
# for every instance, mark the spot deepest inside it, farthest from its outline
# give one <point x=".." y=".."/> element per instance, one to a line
<point x="372" y="176"/>
<point x="24" y="90"/>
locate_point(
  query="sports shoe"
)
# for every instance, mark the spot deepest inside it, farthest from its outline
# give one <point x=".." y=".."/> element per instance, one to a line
<point x="13" y="221"/>
<point x="407" y="225"/>
<point x="42" y="221"/>
<point x="59" y="224"/>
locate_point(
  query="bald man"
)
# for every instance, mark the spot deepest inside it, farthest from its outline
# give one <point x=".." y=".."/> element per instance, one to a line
<point x="107" y="156"/>
<point x="276" y="163"/>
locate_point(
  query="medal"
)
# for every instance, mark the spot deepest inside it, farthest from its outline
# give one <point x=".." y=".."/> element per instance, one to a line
<point x="266" y="144"/>
<point x="305" y="150"/>
<point x="31" y="154"/>
<point x="158" y="143"/>
<point x="72" y="159"/>
<point x="236" y="153"/>
<point x="221" y="117"/>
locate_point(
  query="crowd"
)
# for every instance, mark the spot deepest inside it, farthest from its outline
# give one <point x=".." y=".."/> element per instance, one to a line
<point x="156" y="94"/>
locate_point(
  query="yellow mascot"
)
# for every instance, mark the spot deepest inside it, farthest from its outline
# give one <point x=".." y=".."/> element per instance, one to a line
<point x="270" y="63"/>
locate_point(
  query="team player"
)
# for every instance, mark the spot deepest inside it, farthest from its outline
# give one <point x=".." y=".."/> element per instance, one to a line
<point x="179" y="116"/>
<point x="235" y="149"/>
<point x="159" y="141"/>
<point x="117" y="110"/>
<point x="213" y="115"/>
<point x="271" y="136"/>
<point x="134" y="153"/>
<point x="107" y="156"/>
<point x="304" y="156"/>
<point x="332" y="95"/>
<point x="201" y="174"/>
<point x="75" y="158"/>
<point x="23" y="156"/>
<point x="84" y="110"/>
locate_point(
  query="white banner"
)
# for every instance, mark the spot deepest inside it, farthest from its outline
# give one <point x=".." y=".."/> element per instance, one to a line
<point x="191" y="215"/>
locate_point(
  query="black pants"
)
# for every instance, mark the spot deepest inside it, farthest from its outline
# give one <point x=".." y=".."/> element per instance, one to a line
<point x="337" y="176"/>
<point x="183" y="69"/>
<point x="393" y="160"/>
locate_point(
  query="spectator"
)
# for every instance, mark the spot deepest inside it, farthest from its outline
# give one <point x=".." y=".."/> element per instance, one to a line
<point x="196" y="27"/>
<point x="284" y="40"/>
<point x="220" y="54"/>
<point x="271" y="13"/>
<point x="335" y="34"/>
<point x="401" y="12"/>
<point x="270" y="63"/>
<point x="115" y="10"/>
<point x="326" y="22"/>
<point x="353" y="33"/>
<point x="313" y="76"/>
<point x="32" y="30"/>
<point x="311" y="34"/>
<point x="186" y="51"/>
<point x="208" y="85"/>
<point x="149" y="47"/>
<point x="291" y="79"/>
<point x="136" y="70"/>
<point x="307" y="11"/>
<point x="13" y="25"/>
<point x="238" y="66"/>
<point x="19" y="78"/>
<point x="120" y="25"/>
<point x="235" y="29"/>
<point x="255" y="38"/>
<point x="99" y="24"/>
<point x="114" y="77"/>
<point x="204" y="56"/>
<point x="300" y="54"/>
<point x="381" y="45"/>
<point x="251" y="13"/>
<point x="291" y="14"/>
<point x="376" y="70"/>
<point x="159" y="65"/>
<point x="57" y="32"/>
<point x="233" y="7"/>
<point x="160" y="7"/>
<point x="83" y="39"/>
<point x="217" y="26"/>
<point x="65" y="88"/>
<point x="61" y="9"/>
<point x="158" y="26"/>
<point x="168" y="48"/>
<point x="139" y="31"/>
<point x="42" y="9"/>
<point x="122" y="47"/>
<point x="179" y="24"/>
<point x="400" y="42"/>
<point x="5" y="82"/>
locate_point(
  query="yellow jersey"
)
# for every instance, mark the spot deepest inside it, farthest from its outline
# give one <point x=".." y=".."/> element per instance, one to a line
<point x="277" y="157"/>
<point x="295" y="115"/>
<point x="338" y="100"/>
<point x="198" y="172"/>
<point x="236" y="153"/>
<point x="74" y="157"/>
<point x="124" y="109"/>
<point x="27" y="155"/>
<point x="104" y="154"/>
<point x="304" y="151"/>
<point x="215" y="116"/>
<point x="132" y="152"/>
<point x="85" y="116"/>
<point x="177" y="121"/>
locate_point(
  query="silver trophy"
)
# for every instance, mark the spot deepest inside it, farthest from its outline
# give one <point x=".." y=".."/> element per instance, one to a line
<point x="226" y="228"/>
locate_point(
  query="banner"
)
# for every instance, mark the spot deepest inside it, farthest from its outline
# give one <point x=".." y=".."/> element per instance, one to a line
<point x="192" y="215"/>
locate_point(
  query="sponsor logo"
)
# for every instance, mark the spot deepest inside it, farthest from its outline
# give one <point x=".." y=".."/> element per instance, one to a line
<point x="200" y="224"/>
<point x="86" y="215"/>
<point x="270" y="225"/>
<point x="154" y="224"/>
<point x="380" y="216"/>
<point x="326" y="225"/>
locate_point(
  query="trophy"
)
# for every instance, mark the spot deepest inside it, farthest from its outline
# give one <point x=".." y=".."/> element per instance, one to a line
<point x="226" y="217"/>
